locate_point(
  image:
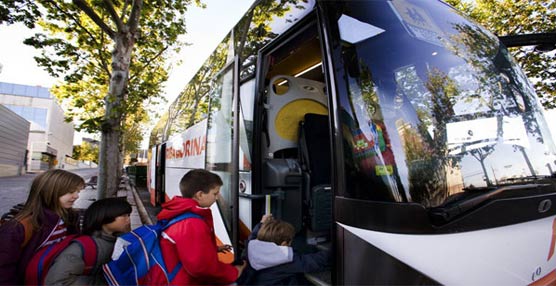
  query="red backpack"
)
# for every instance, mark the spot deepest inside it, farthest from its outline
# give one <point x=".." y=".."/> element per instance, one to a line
<point x="40" y="263"/>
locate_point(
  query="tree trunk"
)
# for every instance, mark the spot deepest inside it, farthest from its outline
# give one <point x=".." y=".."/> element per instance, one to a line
<point x="121" y="157"/>
<point x="110" y="163"/>
<point x="108" y="180"/>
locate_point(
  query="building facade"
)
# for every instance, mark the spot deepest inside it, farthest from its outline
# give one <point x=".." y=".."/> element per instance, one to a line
<point x="14" y="135"/>
<point x="50" y="137"/>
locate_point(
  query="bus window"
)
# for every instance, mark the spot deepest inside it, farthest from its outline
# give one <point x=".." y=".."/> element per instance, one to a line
<point x="449" y="115"/>
<point x="247" y="97"/>
<point x="219" y="139"/>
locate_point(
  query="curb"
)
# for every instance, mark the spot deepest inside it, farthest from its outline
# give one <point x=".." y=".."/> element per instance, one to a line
<point x="143" y="214"/>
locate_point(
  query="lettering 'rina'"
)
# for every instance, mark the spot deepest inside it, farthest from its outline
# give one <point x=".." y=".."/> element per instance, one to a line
<point x="191" y="147"/>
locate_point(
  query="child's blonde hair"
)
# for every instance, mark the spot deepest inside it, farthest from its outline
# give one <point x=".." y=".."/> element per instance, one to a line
<point x="46" y="190"/>
<point x="276" y="231"/>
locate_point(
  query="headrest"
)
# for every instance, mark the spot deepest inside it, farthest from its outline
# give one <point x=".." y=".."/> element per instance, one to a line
<point x="290" y="98"/>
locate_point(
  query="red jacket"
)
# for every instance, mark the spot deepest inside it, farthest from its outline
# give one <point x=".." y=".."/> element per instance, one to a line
<point x="191" y="242"/>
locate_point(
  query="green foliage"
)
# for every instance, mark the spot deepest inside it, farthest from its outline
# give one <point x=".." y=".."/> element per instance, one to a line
<point x="86" y="152"/>
<point x="134" y="131"/>
<point x="12" y="11"/>
<point x="157" y="134"/>
<point x="510" y="17"/>
<point x="79" y="48"/>
<point x="112" y="56"/>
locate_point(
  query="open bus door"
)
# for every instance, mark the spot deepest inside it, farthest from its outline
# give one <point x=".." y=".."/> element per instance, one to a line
<point x="222" y="153"/>
<point x="155" y="174"/>
<point x="159" y="195"/>
<point x="151" y="174"/>
<point x="292" y="151"/>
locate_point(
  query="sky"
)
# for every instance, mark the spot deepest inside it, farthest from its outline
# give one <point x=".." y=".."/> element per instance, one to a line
<point x="205" y="29"/>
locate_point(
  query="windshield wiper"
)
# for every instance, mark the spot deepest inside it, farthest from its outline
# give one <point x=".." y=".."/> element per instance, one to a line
<point x="453" y="210"/>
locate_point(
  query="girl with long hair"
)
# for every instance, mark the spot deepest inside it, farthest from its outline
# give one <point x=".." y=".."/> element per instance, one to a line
<point x="46" y="218"/>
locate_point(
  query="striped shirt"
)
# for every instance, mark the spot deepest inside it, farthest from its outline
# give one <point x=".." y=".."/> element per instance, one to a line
<point x="57" y="235"/>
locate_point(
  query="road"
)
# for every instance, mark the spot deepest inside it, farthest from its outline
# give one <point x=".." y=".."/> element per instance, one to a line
<point x="14" y="190"/>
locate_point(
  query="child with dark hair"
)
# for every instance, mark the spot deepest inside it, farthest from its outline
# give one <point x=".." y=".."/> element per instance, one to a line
<point x="190" y="244"/>
<point x="46" y="218"/>
<point x="104" y="220"/>
<point x="272" y="260"/>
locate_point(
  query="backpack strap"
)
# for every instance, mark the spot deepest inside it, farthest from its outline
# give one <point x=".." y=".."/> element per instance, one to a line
<point x="28" y="228"/>
<point x="89" y="250"/>
<point x="38" y="266"/>
<point x="180" y="218"/>
<point x="172" y="274"/>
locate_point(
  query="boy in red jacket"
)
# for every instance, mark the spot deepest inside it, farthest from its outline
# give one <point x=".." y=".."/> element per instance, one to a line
<point x="190" y="244"/>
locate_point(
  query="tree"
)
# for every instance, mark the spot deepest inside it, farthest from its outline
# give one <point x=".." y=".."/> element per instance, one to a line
<point x="509" y="17"/>
<point x="111" y="54"/>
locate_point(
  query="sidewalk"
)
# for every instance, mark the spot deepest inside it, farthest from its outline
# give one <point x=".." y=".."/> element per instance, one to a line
<point x="14" y="190"/>
<point x="88" y="195"/>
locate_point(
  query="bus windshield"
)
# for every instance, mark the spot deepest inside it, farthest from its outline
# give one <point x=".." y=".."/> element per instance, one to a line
<point x="435" y="106"/>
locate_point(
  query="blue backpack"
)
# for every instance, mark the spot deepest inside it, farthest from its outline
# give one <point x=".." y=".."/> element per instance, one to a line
<point x="140" y="252"/>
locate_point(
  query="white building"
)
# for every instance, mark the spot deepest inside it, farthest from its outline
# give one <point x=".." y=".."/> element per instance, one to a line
<point x="50" y="137"/>
<point x="14" y="135"/>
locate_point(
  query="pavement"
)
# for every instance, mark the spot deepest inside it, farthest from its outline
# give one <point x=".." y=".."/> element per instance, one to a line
<point x="14" y="190"/>
<point x="89" y="195"/>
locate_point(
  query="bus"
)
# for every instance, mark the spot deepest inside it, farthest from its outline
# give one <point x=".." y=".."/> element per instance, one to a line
<point x="397" y="134"/>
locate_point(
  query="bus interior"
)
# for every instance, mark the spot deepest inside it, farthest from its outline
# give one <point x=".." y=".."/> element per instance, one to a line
<point x="296" y="151"/>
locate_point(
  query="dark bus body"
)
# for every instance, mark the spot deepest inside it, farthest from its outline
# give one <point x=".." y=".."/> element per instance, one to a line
<point x="399" y="134"/>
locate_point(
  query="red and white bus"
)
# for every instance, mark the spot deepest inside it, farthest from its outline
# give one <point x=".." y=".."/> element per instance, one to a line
<point x="398" y="133"/>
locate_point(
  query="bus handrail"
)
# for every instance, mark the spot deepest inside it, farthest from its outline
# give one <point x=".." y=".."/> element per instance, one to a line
<point x="278" y="195"/>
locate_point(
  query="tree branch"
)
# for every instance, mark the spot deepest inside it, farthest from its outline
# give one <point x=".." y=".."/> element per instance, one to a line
<point x="114" y="14"/>
<point x="134" y="16"/>
<point x="87" y="10"/>
<point x="76" y="21"/>
<point x="144" y="67"/>
<point x="104" y="65"/>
